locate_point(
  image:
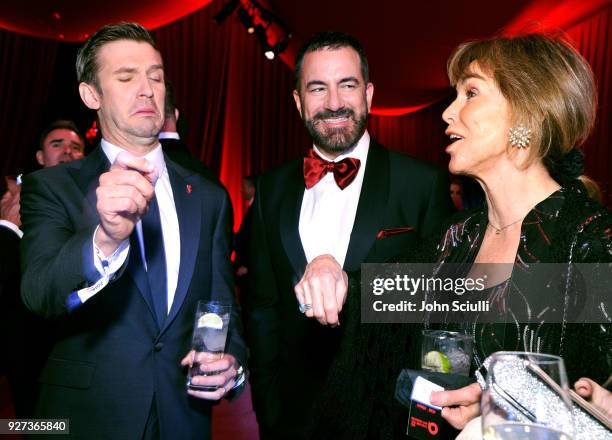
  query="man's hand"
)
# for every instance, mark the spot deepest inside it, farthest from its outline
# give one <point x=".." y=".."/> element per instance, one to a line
<point x="123" y="198"/>
<point x="9" y="204"/>
<point x="596" y="394"/>
<point x="460" y="406"/>
<point x="225" y="380"/>
<point x="324" y="286"/>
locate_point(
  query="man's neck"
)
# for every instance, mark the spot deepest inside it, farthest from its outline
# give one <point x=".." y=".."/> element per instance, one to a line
<point x="138" y="150"/>
<point x="135" y="145"/>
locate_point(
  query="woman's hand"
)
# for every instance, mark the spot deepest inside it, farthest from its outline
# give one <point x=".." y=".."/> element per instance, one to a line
<point x="459" y="406"/>
<point x="596" y="394"/>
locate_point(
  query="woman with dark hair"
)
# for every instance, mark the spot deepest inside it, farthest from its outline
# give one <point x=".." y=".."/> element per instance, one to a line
<point x="524" y="105"/>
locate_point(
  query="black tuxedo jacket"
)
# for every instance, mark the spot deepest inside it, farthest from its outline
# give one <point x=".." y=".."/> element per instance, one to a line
<point x="111" y="358"/>
<point x="291" y="354"/>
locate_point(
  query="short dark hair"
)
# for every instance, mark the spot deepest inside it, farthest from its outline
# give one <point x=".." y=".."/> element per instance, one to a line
<point x="87" y="62"/>
<point x="331" y="40"/>
<point x="169" y="104"/>
<point x="56" y="125"/>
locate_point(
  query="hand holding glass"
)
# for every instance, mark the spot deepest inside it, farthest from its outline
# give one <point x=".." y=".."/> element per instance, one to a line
<point x="208" y="341"/>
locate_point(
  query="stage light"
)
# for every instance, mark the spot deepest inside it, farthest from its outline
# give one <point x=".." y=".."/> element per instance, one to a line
<point x="281" y="45"/>
<point x="269" y="30"/>
<point x="246" y="20"/>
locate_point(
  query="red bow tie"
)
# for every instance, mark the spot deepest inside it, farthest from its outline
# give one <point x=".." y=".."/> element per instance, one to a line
<point x="315" y="167"/>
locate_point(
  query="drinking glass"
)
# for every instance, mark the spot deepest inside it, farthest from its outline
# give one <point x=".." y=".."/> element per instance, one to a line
<point x="446" y="352"/>
<point x="526" y="398"/>
<point x="208" y="341"/>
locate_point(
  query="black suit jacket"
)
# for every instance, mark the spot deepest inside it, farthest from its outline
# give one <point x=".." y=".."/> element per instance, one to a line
<point x="111" y="358"/>
<point x="9" y="265"/>
<point x="177" y="150"/>
<point x="18" y="328"/>
<point x="291" y="354"/>
<point x="10" y="274"/>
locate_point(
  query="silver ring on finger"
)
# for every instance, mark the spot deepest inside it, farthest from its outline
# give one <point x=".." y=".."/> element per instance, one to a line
<point x="304" y="307"/>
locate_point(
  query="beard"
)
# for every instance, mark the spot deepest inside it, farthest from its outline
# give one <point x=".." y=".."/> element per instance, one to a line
<point x="337" y="139"/>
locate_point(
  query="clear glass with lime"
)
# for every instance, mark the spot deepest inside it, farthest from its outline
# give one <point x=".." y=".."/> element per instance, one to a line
<point x="446" y="352"/>
<point x="208" y="341"/>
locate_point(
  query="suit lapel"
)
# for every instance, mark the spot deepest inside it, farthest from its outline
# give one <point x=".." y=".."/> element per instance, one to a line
<point x="189" y="212"/>
<point x="372" y="203"/>
<point x="291" y="204"/>
<point x="87" y="177"/>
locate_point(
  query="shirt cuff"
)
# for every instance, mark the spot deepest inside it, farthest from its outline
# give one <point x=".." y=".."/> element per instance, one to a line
<point x="13" y="227"/>
<point x="109" y="265"/>
<point x="106" y="267"/>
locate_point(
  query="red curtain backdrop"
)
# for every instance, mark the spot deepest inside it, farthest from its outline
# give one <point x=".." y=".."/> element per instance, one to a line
<point x="26" y="69"/>
<point x="420" y="134"/>
<point x="238" y="104"/>
<point x="241" y="114"/>
<point x="243" y="120"/>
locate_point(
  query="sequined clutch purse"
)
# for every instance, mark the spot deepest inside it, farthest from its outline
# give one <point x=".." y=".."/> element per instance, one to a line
<point x="520" y="386"/>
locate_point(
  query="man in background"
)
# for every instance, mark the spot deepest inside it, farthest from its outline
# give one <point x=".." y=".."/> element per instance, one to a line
<point x="242" y="241"/>
<point x="60" y="141"/>
<point x="172" y="143"/>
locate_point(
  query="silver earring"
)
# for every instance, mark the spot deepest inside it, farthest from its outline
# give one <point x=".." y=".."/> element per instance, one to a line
<point x="519" y="136"/>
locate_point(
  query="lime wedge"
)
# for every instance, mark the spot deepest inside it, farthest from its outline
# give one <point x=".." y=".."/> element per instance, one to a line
<point x="210" y="320"/>
<point x="436" y="361"/>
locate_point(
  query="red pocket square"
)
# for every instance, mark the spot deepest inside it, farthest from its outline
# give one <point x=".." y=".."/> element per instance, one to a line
<point x="394" y="231"/>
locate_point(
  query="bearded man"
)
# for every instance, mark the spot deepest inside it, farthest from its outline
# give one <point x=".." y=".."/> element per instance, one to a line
<point x="348" y="201"/>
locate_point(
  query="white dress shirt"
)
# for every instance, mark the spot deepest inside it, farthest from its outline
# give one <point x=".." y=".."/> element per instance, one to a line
<point x="12" y="226"/>
<point x="328" y="212"/>
<point x="169" y="135"/>
<point x="169" y="223"/>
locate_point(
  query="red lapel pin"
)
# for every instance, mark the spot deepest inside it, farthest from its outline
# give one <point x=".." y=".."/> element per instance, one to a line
<point x="189" y="188"/>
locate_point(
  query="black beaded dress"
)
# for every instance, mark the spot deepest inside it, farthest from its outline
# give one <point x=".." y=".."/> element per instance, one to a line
<point x="567" y="227"/>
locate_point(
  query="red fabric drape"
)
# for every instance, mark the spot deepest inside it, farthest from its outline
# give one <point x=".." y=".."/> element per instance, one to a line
<point x="26" y="69"/>
<point x="420" y="134"/>
<point x="241" y="115"/>
<point x="243" y="119"/>
<point x="592" y="39"/>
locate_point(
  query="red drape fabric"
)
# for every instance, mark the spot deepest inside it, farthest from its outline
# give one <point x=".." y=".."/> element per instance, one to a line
<point x="241" y="115"/>
<point x="243" y="119"/>
<point x="420" y="134"/>
<point x="26" y="69"/>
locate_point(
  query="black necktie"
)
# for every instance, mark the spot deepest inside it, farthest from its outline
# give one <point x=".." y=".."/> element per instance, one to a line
<point x="156" y="259"/>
